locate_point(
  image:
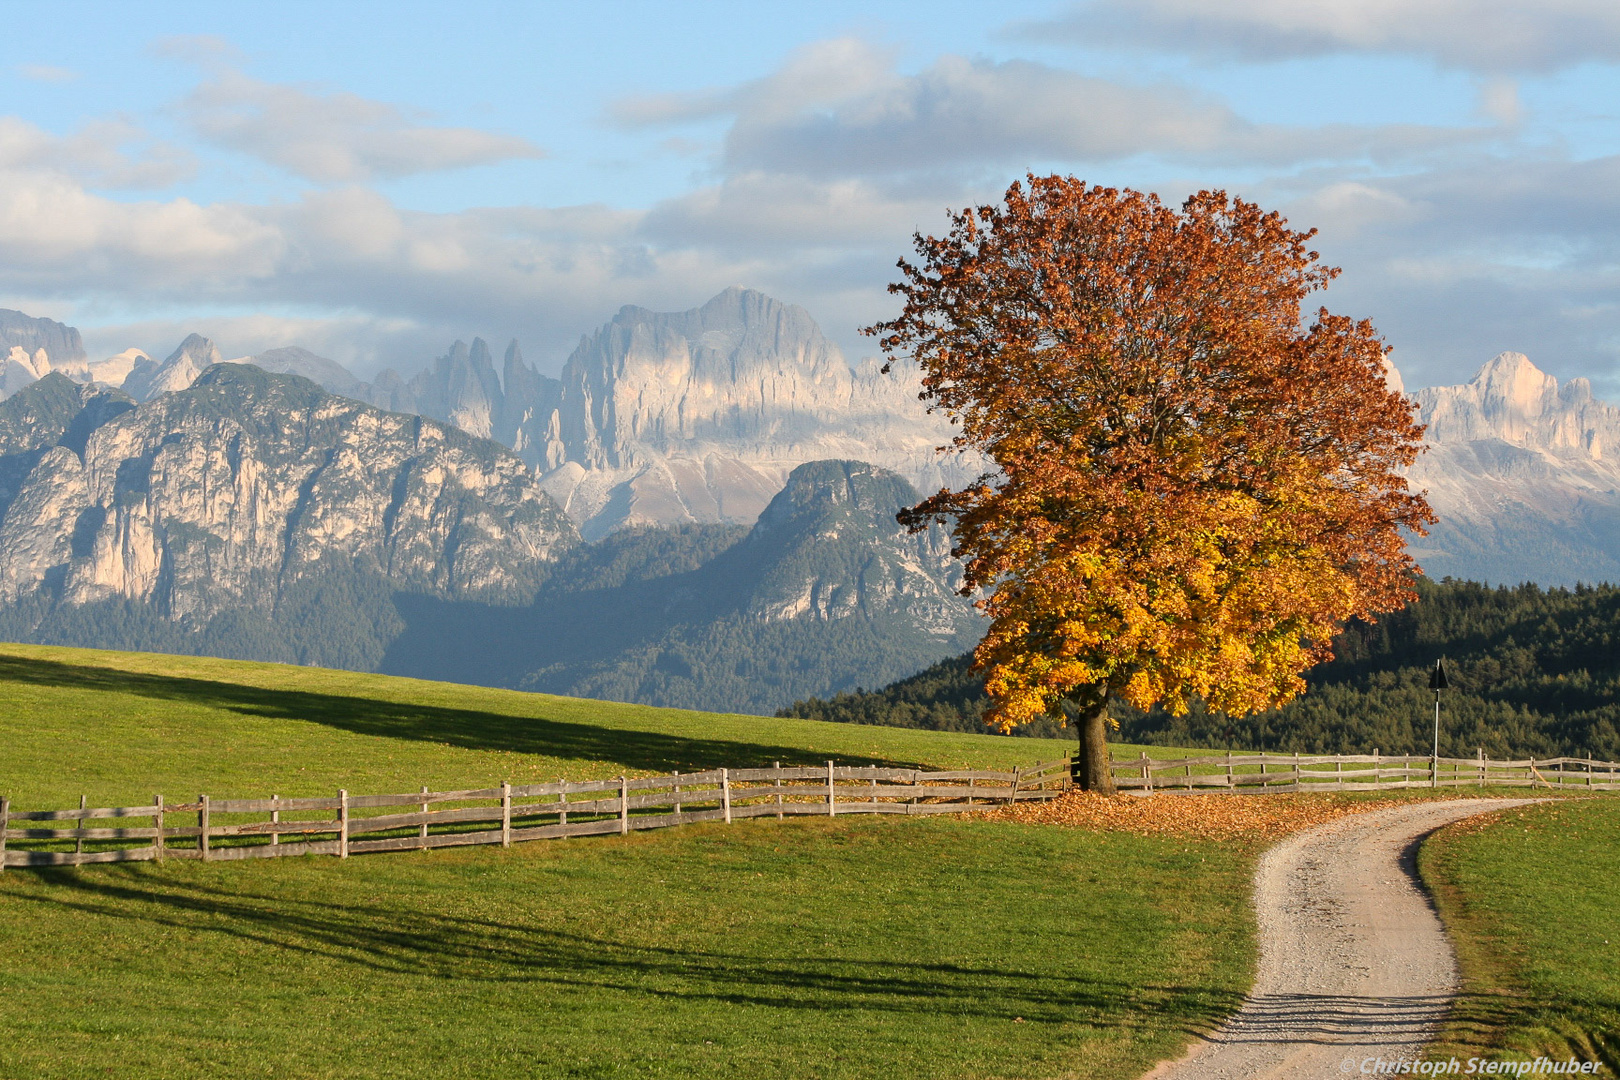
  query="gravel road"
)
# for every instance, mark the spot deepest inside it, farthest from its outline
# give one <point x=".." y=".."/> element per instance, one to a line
<point x="1353" y="961"/>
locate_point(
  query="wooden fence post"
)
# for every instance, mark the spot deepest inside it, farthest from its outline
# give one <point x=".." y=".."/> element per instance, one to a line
<point x="624" y="806"/>
<point x="1231" y="782"/>
<point x="275" y="819"/>
<point x="78" y="841"/>
<point x="506" y="813"/>
<point x="832" y="793"/>
<point x="157" y="827"/>
<point x="1481" y="766"/>
<point x="1378" y="771"/>
<point x="1016" y="770"/>
<point x="1338" y="771"/>
<point x="5" y="823"/>
<point x="777" y="765"/>
<point x="970" y="790"/>
<point x="562" y="801"/>
<point x="677" y="791"/>
<point x="343" y="823"/>
<point x="202" y="827"/>
<point x="422" y="829"/>
<point x="725" y="793"/>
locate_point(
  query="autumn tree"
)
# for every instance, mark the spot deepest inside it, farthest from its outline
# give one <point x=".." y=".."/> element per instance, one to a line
<point x="1191" y="491"/>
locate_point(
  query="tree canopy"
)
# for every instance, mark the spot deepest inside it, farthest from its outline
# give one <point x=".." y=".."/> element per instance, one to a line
<point x="1192" y="491"/>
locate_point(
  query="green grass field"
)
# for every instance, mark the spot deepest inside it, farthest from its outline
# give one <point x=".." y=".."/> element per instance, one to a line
<point x="1531" y="899"/>
<point x="853" y="948"/>
<point x="121" y="726"/>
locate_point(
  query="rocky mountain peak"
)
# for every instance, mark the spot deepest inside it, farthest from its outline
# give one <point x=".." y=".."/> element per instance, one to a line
<point x="701" y="415"/>
<point x="220" y="496"/>
<point x="147" y="378"/>
<point x="329" y="374"/>
<point x="1523" y="475"/>
<point x="1512" y="400"/>
<point x="62" y="344"/>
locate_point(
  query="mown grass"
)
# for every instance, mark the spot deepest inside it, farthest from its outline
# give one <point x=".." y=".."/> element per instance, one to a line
<point x="893" y="948"/>
<point x="1531" y="900"/>
<point x="119" y="727"/>
<point x="854" y="947"/>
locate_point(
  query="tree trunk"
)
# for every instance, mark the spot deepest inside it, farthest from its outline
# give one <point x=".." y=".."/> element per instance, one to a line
<point x="1091" y="723"/>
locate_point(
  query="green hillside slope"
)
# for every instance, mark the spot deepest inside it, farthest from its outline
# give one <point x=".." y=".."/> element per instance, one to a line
<point x="1532" y="671"/>
<point x="847" y="948"/>
<point x="121" y="726"/>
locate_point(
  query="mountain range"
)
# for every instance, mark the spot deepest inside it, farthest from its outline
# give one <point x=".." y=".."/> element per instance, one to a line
<point x="1524" y="476"/>
<point x="698" y="511"/>
<point x="256" y="515"/>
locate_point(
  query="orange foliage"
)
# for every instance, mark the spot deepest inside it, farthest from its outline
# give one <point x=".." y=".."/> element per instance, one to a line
<point x="1194" y="491"/>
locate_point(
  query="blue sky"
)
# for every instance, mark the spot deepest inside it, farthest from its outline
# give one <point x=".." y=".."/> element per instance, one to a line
<point x="374" y="180"/>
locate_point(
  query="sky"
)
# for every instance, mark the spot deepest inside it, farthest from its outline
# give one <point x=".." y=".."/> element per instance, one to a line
<point x="373" y="181"/>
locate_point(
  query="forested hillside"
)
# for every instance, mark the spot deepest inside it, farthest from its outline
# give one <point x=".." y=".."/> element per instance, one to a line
<point x="1532" y="671"/>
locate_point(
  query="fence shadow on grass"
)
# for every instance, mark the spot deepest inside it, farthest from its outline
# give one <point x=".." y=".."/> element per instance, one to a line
<point x="469" y="729"/>
<point x="388" y="939"/>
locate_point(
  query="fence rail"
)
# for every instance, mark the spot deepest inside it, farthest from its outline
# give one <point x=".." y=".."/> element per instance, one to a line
<point x="345" y="824"/>
<point x="1376" y="772"/>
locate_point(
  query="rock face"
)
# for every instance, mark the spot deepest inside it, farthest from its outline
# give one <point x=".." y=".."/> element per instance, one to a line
<point x="658" y="419"/>
<point x="115" y="369"/>
<point x="1524" y="475"/>
<point x="824" y="593"/>
<point x="700" y="416"/>
<point x="218" y="496"/>
<point x="62" y="344"/>
<point x="329" y="375"/>
<point x="835" y="551"/>
<point x="19" y="369"/>
<point x="148" y="378"/>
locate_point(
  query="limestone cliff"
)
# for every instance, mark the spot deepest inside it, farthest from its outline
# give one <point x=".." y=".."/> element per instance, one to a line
<point x="148" y="378"/>
<point x="699" y="416"/>
<point x="217" y="496"/>
<point x="1524" y="475"/>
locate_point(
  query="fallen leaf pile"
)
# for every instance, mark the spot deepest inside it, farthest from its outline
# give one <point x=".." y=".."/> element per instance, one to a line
<point x="1205" y="817"/>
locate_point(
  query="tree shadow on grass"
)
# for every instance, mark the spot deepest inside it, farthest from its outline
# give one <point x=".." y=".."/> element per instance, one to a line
<point x="468" y="729"/>
<point x="408" y="942"/>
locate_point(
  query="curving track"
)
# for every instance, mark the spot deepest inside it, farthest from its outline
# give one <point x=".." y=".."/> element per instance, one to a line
<point x="1353" y="961"/>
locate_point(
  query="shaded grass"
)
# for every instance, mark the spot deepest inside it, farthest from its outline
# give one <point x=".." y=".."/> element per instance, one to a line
<point x="854" y="948"/>
<point x="1531" y="900"/>
<point x="811" y="948"/>
<point x="118" y="727"/>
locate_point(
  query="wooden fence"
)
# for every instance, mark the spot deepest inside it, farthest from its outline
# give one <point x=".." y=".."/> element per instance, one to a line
<point x="1367" y="772"/>
<point x="345" y="824"/>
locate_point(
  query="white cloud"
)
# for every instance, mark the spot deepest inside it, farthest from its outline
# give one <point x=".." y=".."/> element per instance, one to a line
<point x="1457" y="264"/>
<point x="336" y="138"/>
<point x="840" y="109"/>
<point x="107" y="153"/>
<point x="1488" y="36"/>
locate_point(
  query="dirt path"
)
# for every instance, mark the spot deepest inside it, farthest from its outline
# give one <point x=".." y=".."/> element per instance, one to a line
<point x="1353" y="961"/>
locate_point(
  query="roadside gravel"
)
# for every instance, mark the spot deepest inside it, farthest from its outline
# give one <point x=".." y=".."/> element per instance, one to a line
<point x="1353" y="961"/>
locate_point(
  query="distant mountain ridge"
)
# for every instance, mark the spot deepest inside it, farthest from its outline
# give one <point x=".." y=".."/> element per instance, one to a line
<point x="699" y="417"/>
<point x="657" y="419"/>
<point x="216" y="497"/>
<point x="255" y="515"/>
<point x="824" y="590"/>
<point x="1524" y="476"/>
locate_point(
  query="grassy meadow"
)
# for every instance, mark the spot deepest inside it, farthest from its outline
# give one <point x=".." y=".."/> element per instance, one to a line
<point x="856" y="947"/>
<point x="1531" y="899"/>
